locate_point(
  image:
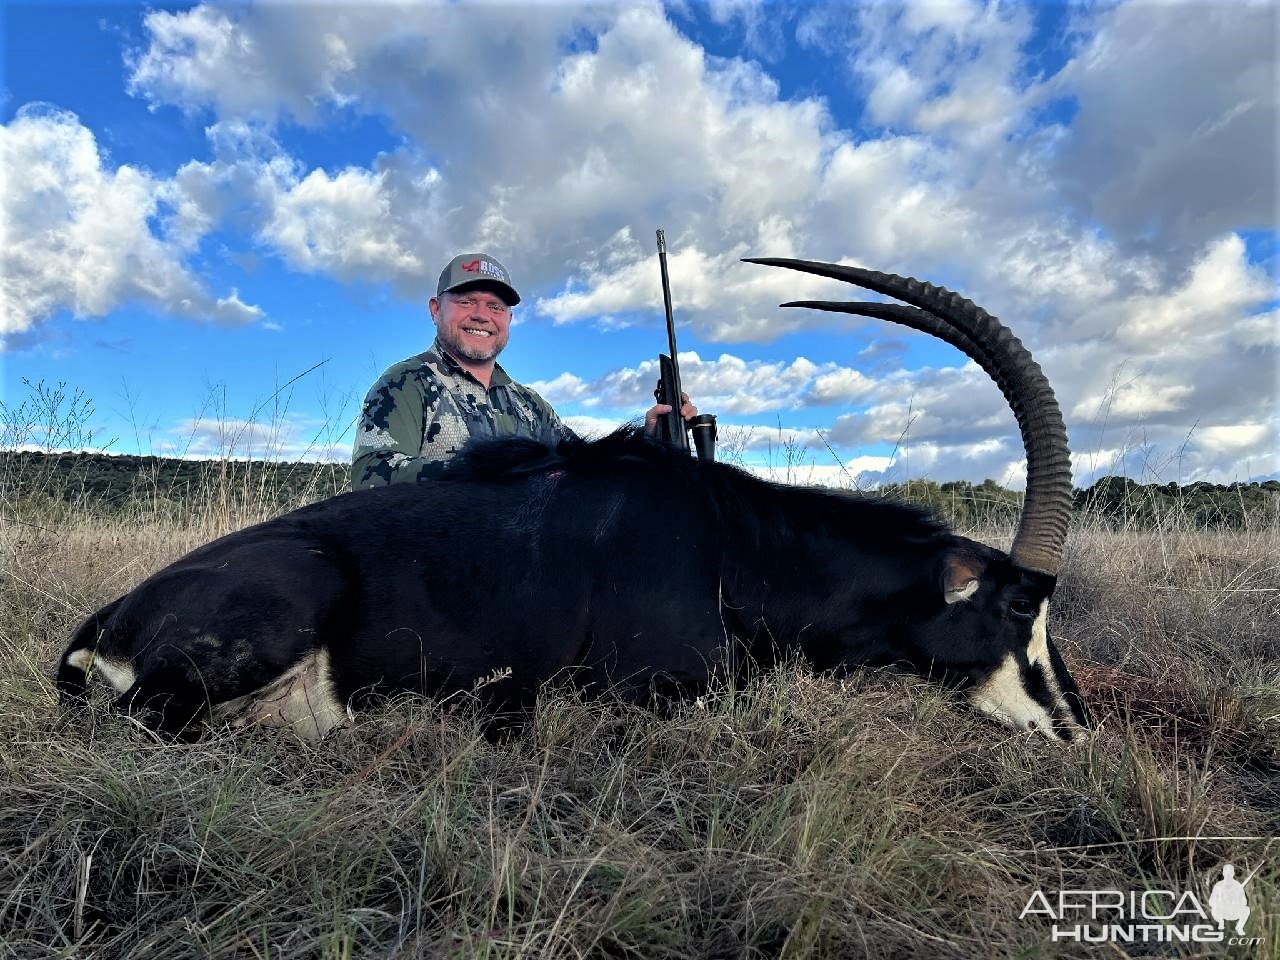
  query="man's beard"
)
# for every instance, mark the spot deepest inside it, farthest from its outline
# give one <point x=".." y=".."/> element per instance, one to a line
<point x="472" y="351"/>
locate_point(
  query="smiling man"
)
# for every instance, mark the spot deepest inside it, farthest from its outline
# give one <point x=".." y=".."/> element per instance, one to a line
<point x="423" y="410"/>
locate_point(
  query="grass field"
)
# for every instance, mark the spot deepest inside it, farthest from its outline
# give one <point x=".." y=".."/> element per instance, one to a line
<point x="800" y="816"/>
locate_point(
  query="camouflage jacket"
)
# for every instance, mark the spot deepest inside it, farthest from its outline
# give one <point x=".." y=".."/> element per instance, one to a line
<point x="422" y="411"/>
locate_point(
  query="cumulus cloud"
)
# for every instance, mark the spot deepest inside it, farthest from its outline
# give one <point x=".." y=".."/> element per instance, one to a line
<point x="204" y="57"/>
<point x="235" y="310"/>
<point x="1235" y="439"/>
<point x="339" y="225"/>
<point x="75" y="235"/>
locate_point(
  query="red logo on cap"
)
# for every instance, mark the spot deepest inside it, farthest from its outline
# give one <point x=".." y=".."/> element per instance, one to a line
<point x="472" y="267"/>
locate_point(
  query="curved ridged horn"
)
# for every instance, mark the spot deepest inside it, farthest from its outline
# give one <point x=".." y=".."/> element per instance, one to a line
<point x="1046" y="511"/>
<point x="912" y="317"/>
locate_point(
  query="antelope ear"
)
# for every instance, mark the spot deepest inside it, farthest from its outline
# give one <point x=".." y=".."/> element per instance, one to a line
<point x="961" y="574"/>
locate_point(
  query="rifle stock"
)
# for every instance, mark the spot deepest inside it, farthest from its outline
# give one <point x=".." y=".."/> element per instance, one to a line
<point x="671" y="426"/>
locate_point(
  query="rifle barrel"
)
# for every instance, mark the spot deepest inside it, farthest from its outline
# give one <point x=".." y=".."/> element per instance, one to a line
<point x="671" y="323"/>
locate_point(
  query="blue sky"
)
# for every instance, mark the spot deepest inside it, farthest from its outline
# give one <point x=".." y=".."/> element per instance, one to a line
<point x="221" y="222"/>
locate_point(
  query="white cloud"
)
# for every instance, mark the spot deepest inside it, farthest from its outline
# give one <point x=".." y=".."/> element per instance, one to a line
<point x="228" y="436"/>
<point x="1236" y="438"/>
<point x="341" y="225"/>
<point x="761" y="24"/>
<point x="1219" y="288"/>
<point x="204" y="56"/>
<point x="232" y="310"/>
<point x="844" y="386"/>
<point x="590" y="428"/>
<point x="761" y="176"/>
<point x="566" y="388"/>
<point x="76" y="235"/>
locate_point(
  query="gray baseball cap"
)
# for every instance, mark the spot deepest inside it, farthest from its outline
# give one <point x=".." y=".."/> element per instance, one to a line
<point x="479" y="271"/>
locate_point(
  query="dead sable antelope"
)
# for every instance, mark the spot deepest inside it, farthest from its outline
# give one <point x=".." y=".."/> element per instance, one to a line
<point x="617" y="563"/>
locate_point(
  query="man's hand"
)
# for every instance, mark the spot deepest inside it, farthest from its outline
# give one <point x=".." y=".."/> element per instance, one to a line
<point x="687" y="410"/>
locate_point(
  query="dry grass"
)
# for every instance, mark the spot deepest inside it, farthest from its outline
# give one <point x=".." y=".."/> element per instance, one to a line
<point x="801" y="816"/>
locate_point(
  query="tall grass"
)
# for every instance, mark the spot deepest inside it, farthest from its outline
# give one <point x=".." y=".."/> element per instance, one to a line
<point x="797" y="816"/>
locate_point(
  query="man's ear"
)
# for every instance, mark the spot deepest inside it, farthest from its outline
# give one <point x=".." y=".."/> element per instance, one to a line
<point x="433" y="305"/>
<point x="961" y="575"/>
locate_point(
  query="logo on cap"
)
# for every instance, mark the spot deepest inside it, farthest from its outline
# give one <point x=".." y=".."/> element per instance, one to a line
<point x="486" y="267"/>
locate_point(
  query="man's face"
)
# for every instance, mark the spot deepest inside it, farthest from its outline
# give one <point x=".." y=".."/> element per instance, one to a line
<point x="471" y="324"/>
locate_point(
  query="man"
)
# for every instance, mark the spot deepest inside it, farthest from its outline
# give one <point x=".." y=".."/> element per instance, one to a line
<point x="423" y="410"/>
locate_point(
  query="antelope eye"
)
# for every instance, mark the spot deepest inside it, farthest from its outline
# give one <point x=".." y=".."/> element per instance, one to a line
<point x="1022" y="608"/>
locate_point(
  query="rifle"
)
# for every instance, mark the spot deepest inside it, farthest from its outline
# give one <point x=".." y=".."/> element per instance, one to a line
<point x="672" y="427"/>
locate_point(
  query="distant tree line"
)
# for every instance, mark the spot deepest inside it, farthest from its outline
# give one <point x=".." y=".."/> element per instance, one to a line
<point x="105" y="483"/>
<point x="1123" y="501"/>
<point x="961" y="503"/>
<point x="1118" y="501"/>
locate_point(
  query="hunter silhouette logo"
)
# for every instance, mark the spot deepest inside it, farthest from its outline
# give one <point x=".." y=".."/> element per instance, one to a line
<point x="1228" y="901"/>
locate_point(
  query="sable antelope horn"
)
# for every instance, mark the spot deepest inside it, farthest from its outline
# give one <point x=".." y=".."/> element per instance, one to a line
<point x="1046" y="511"/>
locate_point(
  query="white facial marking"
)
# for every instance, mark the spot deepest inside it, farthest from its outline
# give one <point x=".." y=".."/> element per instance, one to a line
<point x="1004" y="697"/>
<point x="301" y="698"/>
<point x="118" y="673"/>
<point x="1038" y="648"/>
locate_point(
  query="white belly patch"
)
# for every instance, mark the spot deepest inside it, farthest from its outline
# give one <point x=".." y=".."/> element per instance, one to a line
<point x="301" y="699"/>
